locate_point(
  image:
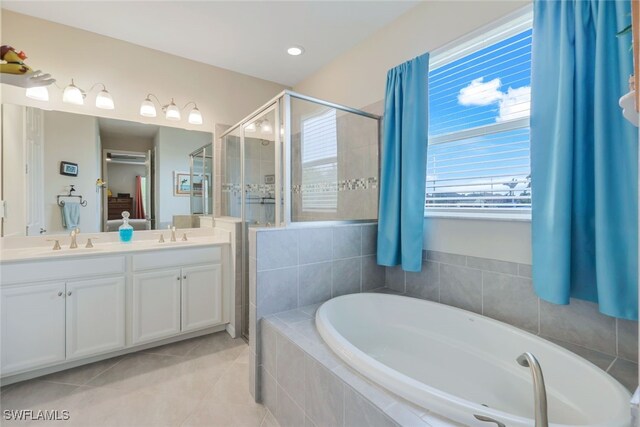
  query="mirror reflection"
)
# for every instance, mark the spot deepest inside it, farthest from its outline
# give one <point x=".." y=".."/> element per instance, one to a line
<point x="63" y="171"/>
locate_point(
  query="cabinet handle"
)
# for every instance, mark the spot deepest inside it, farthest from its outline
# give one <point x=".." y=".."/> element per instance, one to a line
<point x="60" y="293"/>
<point x="69" y="293"/>
<point x="184" y="277"/>
<point x="178" y="278"/>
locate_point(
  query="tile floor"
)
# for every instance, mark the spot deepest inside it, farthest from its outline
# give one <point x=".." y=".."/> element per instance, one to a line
<point x="198" y="382"/>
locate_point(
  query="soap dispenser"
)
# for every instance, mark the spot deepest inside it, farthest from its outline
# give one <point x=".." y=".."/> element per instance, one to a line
<point x="125" y="230"/>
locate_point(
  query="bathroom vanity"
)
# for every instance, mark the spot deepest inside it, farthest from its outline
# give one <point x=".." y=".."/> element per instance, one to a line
<point x="68" y="307"/>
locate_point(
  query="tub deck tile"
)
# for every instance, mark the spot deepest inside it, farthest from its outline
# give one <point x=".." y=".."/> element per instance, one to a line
<point x="386" y="409"/>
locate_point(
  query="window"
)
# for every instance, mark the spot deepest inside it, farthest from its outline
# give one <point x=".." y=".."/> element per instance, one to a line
<point x="479" y="96"/>
<point x="320" y="163"/>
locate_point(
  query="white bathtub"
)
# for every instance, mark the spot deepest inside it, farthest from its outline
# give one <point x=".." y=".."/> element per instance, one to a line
<point x="453" y="362"/>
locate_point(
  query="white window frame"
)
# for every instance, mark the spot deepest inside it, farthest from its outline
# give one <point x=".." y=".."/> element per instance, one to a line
<point x="485" y="36"/>
<point x="333" y="160"/>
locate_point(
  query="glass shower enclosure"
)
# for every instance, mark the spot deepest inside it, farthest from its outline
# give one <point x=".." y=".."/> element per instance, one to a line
<point x="201" y="170"/>
<point x="298" y="159"/>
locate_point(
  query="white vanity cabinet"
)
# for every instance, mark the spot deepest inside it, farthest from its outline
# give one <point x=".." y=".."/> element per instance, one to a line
<point x="33" y="326"/>
<point x="201" y="296"/>
<point x="48" y="323"/>
<point x="169" y="301"/>
<point x="155" y="305"/>
<point x="95" y="314"/>
<point x="63" y="311"/>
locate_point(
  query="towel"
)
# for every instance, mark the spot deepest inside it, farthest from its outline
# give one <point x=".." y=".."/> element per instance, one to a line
<point x="70" y="215"/>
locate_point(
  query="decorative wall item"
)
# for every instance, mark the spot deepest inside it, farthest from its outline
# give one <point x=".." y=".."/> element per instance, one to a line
<point x="68" y="168"/>
<point x="181" y="183"/>
<point x="269" y="179"/>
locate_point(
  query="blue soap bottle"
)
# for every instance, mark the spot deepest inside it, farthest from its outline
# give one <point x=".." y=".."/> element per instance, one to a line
<point x="125" y="230"/>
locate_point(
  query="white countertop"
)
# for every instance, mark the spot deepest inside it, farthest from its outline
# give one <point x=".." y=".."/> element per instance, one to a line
<point x="31" y="249"/>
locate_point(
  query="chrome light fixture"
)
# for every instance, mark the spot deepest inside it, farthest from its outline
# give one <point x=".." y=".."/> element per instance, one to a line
<point x="195" y="117"/>
<point x="148" y="108"/>
<point x="171" y="110"/>
<point x="104" y="100"/>
<point x="39" y="93"/>
<point x="73" y="95"/>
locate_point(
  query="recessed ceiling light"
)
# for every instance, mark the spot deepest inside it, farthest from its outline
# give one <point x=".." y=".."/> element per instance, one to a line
<point x="295" y="50"/>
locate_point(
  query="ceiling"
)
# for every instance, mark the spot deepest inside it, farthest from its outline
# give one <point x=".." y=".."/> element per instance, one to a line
<point x="249" y="37"/>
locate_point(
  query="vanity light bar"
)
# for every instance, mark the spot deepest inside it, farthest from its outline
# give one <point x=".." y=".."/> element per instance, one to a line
<point x="171" y="110"/>
<point x="72" y="94"/>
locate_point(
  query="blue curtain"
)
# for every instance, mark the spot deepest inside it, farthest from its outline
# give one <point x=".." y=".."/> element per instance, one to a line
<point x="403" y="165"/>
<point x="584" y="157"/>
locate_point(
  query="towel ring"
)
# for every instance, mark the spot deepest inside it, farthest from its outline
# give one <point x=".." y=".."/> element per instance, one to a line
<point x="82" y="202"/>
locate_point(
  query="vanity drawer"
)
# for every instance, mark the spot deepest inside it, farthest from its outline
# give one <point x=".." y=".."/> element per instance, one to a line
<point x="176" y="258"/>
<point x="61" y="269"/>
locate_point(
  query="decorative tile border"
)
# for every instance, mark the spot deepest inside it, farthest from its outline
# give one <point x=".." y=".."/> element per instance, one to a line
<point x="341" y="185"/>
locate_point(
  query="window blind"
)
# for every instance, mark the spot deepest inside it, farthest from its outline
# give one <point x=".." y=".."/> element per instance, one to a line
<point x="320" y="163"/>
<point x="478" y="154"/>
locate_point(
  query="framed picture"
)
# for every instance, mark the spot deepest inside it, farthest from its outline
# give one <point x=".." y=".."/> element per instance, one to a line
<point x="68" y="168"/>
<point x="181" y="183"/>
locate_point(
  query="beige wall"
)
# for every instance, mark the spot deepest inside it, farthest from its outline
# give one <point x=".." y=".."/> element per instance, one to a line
<point x="73" y="138"/>
<point x="358" y="77"/>
<point x="130" y="72"/>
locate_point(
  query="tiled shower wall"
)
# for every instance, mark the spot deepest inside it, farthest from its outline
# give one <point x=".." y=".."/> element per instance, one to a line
<point x="297" y="267"/>
<point x="504" y="291"/>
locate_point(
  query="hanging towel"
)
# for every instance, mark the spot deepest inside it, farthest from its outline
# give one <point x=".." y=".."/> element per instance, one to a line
<point x="70" y="215"/>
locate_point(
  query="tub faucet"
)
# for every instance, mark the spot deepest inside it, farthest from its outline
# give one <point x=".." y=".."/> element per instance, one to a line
<point x="528" y="360"/>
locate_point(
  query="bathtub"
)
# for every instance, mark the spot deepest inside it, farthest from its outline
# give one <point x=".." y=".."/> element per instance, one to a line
<point x="458" y="364"/>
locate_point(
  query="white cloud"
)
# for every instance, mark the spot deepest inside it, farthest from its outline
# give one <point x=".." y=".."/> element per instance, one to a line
<point x="515" y="103"/>
<point x="478" y="93"/>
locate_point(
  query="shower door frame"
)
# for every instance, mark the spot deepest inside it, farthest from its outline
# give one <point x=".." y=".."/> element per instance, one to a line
<point x="205" y="154"/>
<point x="281" y="104"/>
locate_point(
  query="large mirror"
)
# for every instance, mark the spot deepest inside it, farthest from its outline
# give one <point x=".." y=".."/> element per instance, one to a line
<point x="62" y="171"/>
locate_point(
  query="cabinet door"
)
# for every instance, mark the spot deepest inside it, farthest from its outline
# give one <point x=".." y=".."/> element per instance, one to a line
<point x="156" y="305"/>
<point x="32" y="326"/>
<point x="95" y="316"/>
<point x="201" y="296"/>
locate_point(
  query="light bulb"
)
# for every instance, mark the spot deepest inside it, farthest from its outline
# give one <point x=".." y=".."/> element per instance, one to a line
<point x="195" y="117"/>
<point x="250" y="128"/>
<point x="73" y="95"/>
<point x="172" y="112"/>
<point x="295" y="50"/>
<point x="265" y="127"/>
<point x="147" y="108"/>
<point x="39" y="93"/>
<point x="104" y="100"/>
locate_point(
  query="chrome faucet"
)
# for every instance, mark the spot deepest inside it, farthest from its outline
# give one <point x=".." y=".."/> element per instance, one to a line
<point x="173" y="233"/>
<point x="74" y="238"/>
<point x="528" y="360"/>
